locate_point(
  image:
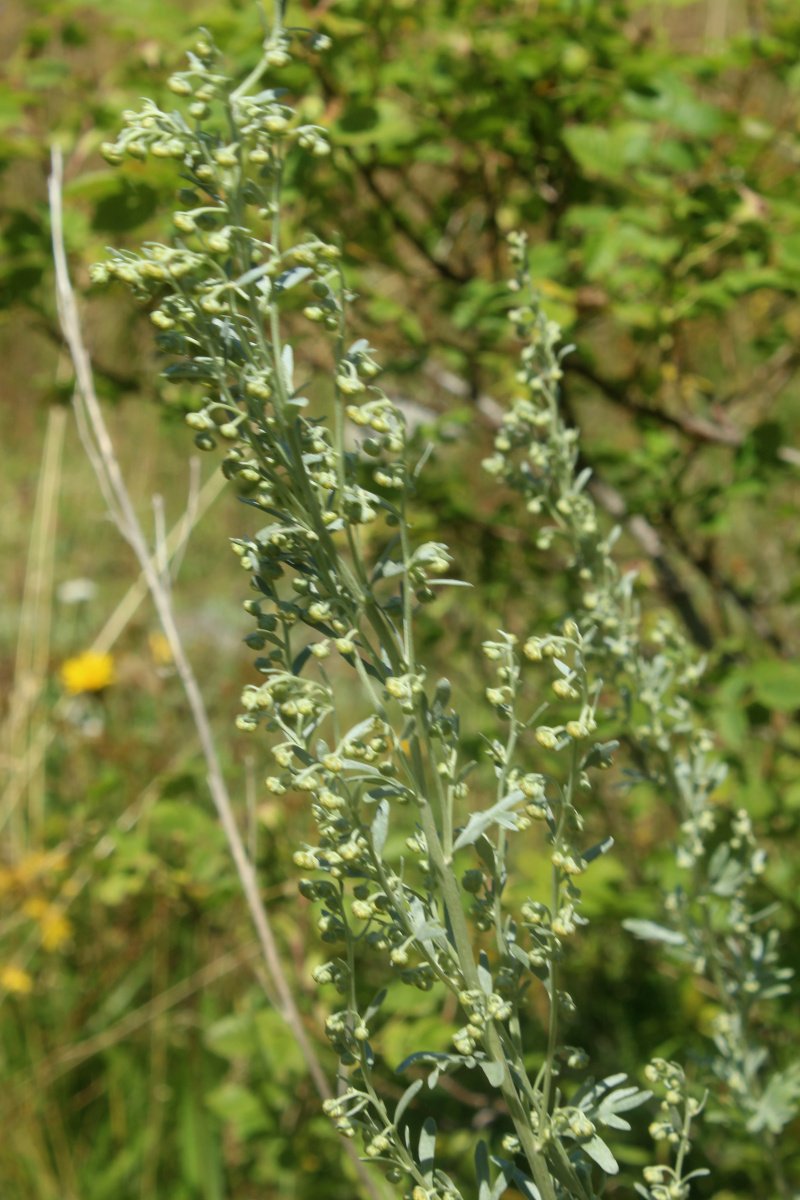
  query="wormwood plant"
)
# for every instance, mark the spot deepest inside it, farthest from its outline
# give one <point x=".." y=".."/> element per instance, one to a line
<point x="410" y="865"/>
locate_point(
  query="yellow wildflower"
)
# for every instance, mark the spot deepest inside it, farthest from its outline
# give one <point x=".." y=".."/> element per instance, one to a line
<point x="54" y="927"/>
<point x="87" y="672"/>
<point x="14" y="979"/>
<point x="160" y="649"/>
<point x="31" y="867"/>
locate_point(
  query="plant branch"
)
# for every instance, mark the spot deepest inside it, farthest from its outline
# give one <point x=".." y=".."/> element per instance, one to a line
<point x="130" y="528"/>
<point x="696" y="428"/>
<point x="402" y="223"/>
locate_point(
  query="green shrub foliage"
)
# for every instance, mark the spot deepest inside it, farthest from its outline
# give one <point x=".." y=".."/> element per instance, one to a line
<point x="413" y="865"/>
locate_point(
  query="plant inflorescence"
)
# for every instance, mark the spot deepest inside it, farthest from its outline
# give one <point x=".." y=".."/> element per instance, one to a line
<point x="409" y="863"/>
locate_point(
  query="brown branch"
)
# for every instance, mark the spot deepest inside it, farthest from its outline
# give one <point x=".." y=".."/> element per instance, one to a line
<point x="705" y="565"/>
<point x="648" y="538"/>
<point x="694" y="427"/>
<point x="652" y="543"/>
<point x="402" y="224"/>
<point x="125" y="383"/>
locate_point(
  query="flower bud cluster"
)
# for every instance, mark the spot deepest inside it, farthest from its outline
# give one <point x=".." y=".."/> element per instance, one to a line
<point x="378" y="910"/>
<point x="215" y="293"/>
<point x="149" y="272"/>
<point x="384" y="421"/>
<point x="672" y="1126"/>
<point x="650" y="674"/>
<point x="536" y="454"/>
<point x="552" y="802"/>
<point x="290" y="701"/>
<point x="481" y="1010"/>
<point x="267" y="126"/>
<point x="221" y="290"/>
<point x="502" y="695"/>
<point x="572" y="1123"/>
<point x="263" y="124"/>
<point x="342" y="1109"/>
<point x="568" y="656"/>
<point x="150" y="131"/>
<point x="382" y="448"/>
<point x="355" y="1110"/>
<point x="335" y="972"/>
<point x="405" y="689"/>
<point x="427" y="561"/>
<point x="540" y="925"/>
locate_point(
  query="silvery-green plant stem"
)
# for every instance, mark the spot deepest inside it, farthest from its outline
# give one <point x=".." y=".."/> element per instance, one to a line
<point x="427" y="783"/>
<point x="326" y="585"/>
<point x="718" y="928"/>
<point x="128" y="523"/>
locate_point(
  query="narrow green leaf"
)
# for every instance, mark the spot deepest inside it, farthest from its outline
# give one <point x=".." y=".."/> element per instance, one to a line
<point x="597" y="850"/>
<point x="482" y="1171"/>
<point x="499" y="814"/>
<point x="380" y="827"/>
<point x="599" y="1153"/>
<point x="406" y="1098"/>
<point x="375" y="1005"/>
<point x="427" y="1148"/>
<point x="290" y="279"/>
<point x="493" y="1071"/>
<point x="649" y="931"/>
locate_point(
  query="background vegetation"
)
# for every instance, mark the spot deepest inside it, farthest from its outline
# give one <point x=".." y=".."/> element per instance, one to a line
<point x="651" y="151"/>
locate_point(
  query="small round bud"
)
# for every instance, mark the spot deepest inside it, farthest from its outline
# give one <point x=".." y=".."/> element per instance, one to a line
<point x="547" y="737"/>
<point x="180" y="85"/>
<point x="472" y="881"/>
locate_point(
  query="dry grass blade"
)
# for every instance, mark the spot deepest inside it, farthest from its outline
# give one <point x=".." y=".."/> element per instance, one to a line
<point x="22" y="766"/>
<point x="24" y="727"/>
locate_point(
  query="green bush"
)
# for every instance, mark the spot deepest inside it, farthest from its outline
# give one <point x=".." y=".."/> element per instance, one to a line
<point x="661" y="225"/>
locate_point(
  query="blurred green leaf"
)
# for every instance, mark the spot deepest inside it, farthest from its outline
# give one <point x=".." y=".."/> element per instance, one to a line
<point x="240" y="1107"/>
<point x="608" y="153"/>
<point x="776" y="684"/>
